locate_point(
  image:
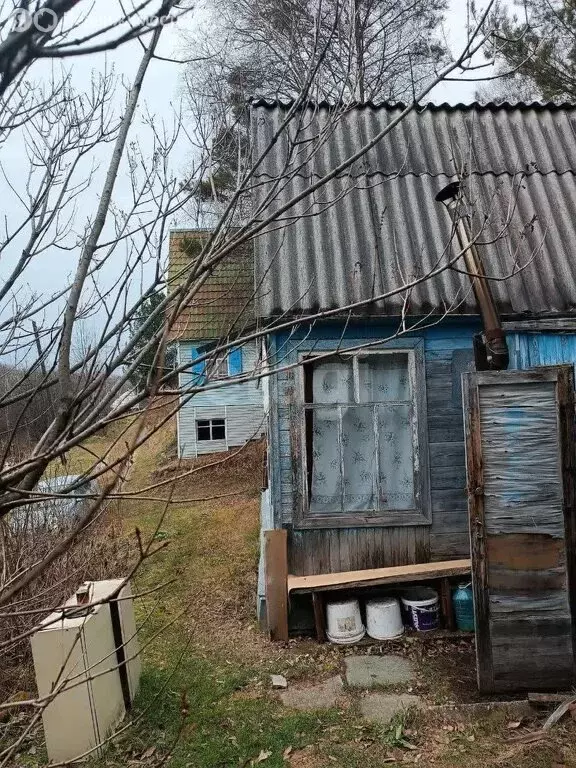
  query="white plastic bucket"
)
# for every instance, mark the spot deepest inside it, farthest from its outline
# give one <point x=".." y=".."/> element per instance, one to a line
<point x="422" y="608"/>
<point x="384" y="619"/>
<point x="344" y="622"/>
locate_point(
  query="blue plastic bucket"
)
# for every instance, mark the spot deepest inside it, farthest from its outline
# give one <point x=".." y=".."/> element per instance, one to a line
<point x="421" y="608"/>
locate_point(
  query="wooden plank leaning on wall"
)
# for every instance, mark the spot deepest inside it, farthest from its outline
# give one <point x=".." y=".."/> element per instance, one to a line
<point x="276" y="572"/>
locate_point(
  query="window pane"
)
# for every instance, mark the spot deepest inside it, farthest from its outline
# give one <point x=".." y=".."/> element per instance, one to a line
<point x="333" y="382"/>
<point x="383" y="378"/>
<point x="361" y="457"/>
<point x="218" y="430"/>
<point x="360" y="466"/>
<point x="218" y="368"/>
<point x="203" y="432"/>
<point x="396" y="457"/>
<point x="326" y="487"/>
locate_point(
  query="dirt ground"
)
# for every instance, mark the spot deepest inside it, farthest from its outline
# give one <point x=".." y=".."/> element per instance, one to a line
<point x="214" y="554"/>
<point x="206" y="700"/>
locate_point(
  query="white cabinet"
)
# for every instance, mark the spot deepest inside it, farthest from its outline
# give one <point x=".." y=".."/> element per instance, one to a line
<point x="90" y="659"/>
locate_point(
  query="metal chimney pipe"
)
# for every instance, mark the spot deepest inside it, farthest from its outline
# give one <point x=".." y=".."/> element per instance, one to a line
<point x="496" y="348"/>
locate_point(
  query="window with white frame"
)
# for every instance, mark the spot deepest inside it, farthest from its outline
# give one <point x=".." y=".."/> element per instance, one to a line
<point x="210" y="429"/>
<point x="217" y="367"/>
<point x="362" y="436"/>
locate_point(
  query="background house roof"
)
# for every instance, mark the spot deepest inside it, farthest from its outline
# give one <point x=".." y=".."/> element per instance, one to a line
<point x="224" y="303"/>
<point x="377" y="224"/>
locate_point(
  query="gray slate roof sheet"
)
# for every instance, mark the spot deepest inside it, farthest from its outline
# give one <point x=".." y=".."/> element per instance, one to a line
<point x="377" y="225"/>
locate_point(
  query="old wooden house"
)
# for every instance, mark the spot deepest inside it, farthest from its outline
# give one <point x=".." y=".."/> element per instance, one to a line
<point x="221" y="417"/>
<point x="367" y="464"/>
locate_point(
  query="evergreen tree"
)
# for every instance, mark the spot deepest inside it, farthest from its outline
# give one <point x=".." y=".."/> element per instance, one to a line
<point x="144" y="369"/>
<point x="362" y="50"/>
<point x="537" y="48"/>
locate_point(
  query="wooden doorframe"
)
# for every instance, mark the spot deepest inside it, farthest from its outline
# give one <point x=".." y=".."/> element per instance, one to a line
<point x="475" y="489"/>
<point x="567" y="438"/>
<point x="563" y="377"/>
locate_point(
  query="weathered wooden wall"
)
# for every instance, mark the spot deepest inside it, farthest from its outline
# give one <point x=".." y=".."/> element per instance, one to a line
<point x="520" y="451"/>
<point x="448" y="352"/>
<point x="531" y="349"/>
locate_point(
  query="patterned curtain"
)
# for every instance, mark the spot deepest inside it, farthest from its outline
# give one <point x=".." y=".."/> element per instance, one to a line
<point x="362" y="454"/>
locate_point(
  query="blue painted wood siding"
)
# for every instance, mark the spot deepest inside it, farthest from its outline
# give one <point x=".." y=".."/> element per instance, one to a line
<point x="448" y="353"/>
<point x="240" y="403"/>
<point x="528" y="350"/>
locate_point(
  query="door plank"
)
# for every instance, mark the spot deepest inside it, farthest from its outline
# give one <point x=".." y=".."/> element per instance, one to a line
<point x="523" y="526"/>
<point x="526" y="552"/>
<point x="475" y="476"/>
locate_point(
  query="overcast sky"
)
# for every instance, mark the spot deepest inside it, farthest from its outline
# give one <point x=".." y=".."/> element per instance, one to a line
<point x="160" y="97"/>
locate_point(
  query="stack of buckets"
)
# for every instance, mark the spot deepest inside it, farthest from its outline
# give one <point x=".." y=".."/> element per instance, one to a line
<point x="385" y="619"/>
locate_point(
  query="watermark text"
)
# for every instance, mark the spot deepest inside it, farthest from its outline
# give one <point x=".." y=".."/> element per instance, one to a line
<point x="45" y="20"/>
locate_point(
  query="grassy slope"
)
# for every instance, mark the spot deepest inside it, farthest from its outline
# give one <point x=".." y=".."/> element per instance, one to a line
<point x="213" y="658"/>
<point x="205" y="697"/>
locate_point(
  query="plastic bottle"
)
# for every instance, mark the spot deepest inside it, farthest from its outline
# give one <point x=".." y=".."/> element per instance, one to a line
<point x="463" y="602"/>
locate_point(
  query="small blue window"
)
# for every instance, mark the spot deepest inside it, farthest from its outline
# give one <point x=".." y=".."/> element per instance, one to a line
<point x="235" y="361"/>
<point x="199" y="369"/>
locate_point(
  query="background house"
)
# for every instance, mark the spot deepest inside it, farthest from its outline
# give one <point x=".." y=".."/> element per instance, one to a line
<point x="366" y="449"/>
<point x="222" y="417"/>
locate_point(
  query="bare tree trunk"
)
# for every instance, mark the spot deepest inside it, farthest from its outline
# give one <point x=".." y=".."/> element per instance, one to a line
<point x="84" y="388"/>
<point x="359" y="45"/>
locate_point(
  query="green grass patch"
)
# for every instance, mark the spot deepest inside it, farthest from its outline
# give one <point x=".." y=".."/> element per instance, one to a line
<point x="194" y="710"/>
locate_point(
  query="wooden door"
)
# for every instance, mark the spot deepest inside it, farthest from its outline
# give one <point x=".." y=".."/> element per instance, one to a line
<point x="521" y="500"/>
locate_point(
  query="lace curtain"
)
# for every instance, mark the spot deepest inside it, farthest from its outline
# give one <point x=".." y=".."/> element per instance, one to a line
<point x="362" y="436"/>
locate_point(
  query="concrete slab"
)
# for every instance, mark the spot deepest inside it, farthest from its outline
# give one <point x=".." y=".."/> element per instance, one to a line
<point x="372" y="671"/>
<point x="321" y="696"/>
<point x="381" y="707"/>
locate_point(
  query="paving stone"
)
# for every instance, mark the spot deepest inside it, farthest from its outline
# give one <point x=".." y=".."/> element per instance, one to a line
<point x="381" y="707"/>
<point x="371" y="671"/>
<point x="320" y="696"/>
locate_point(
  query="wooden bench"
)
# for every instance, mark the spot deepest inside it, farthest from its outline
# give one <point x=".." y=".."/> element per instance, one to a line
<point x="317" y="586"/>
<point x="280" y="584"/>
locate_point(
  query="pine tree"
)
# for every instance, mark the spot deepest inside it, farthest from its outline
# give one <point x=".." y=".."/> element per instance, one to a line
<point x="146" y="364"/>
<point x="366" y="50"/>
<point x="538" y="49"/>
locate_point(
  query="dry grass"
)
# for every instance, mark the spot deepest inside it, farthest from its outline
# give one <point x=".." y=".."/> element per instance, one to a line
<point x="99" y="553"/>
<point x="214" y="650"/>
<point x="213" y="545"/>
<point x="213" y="553"/>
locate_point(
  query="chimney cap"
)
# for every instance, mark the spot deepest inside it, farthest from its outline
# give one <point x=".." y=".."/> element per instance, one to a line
<point x="449" y="192"/>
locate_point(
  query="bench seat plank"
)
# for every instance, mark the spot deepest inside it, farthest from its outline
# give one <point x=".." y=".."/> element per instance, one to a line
<point x="377" y="576"/>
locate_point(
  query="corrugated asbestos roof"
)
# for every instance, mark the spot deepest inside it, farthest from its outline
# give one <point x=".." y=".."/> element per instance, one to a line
<point x="377" y="225"/>
<point x="224" y="303"/>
